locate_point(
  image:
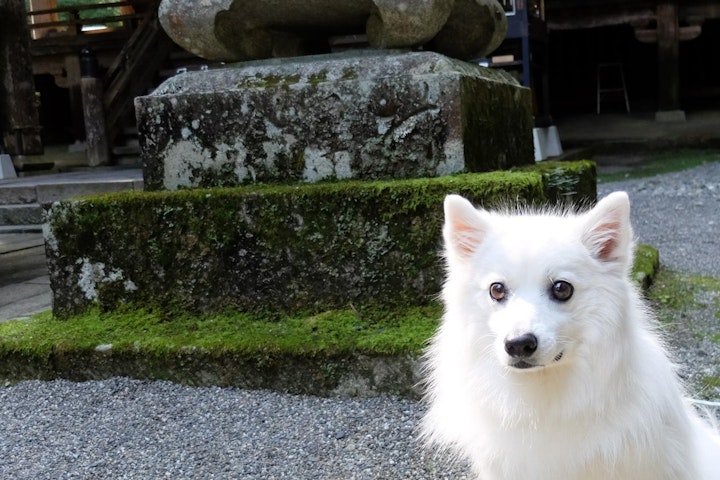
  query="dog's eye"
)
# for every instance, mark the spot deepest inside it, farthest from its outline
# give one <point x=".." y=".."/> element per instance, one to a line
<point x="562" y="291"/>
<point x="497" y="291"/>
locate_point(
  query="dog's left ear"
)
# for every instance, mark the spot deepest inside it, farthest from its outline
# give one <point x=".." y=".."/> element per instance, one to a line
<point x="607" y="233"/>
<point x="464" y="230"/>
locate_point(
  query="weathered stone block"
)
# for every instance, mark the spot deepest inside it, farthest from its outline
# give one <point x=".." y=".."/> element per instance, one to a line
<point x="264" y="249"/>
<point x="377" y="115"/>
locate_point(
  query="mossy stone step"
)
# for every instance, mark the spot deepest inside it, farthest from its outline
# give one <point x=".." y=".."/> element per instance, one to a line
<point x="351" y="351"/>
<point x="274" y="249"/>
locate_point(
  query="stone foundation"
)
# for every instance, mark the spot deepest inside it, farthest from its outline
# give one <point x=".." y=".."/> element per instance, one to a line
<point x="371" y="115"/>
<point x="274" y="249"/>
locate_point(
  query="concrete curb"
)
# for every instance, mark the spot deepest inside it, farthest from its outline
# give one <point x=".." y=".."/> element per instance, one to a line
<point x="353" y="375"/>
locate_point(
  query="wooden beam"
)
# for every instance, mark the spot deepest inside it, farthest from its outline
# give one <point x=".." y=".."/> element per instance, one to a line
<point x="650" y="35"/>
<point x="78" y="8"/>
<point x="594" y="20"/>
<point x="668" y="48"/>
<point x="19" y="118"/>
<point x="96" y="134"/>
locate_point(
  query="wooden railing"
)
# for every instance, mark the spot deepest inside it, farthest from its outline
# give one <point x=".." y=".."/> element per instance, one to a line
<point x="133" y="39"/>
<point x="71" y="20"/>
<point x="60" y="30"/>
<point x="134" y="67"/>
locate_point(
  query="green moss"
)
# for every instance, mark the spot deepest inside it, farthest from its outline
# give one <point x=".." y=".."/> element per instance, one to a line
<point x="711" y="382"/>
<point x="676" y="292"/>
<point x="268" y="81"/>
<point x="647" y="262"/>
<point x="319" y="77"/>
<point x="349" y="73"/>
<point x="497" y="123"/>
<point x="371" y="331"/>
<point x="280" y="248"/>
<point x="313" y="353"/>
<point x="568" y="182"/>
<point x="661" y="162"/>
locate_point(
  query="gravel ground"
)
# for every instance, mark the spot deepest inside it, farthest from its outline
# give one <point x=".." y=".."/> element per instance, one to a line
<point x="130" y="429"/>
<point x="679" y="214"/>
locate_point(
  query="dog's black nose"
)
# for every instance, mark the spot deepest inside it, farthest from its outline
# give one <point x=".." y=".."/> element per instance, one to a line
<point x="522" y="346"/>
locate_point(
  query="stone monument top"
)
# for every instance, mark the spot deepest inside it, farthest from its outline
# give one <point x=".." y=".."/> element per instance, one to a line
<point x="238" y="30"/>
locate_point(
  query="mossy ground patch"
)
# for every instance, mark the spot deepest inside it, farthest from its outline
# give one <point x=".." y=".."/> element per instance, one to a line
<point x="656" y="163"/>
<point x="370" y="331"/>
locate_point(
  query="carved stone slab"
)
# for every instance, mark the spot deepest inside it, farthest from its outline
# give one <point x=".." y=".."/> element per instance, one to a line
<point x="374" y="116"/>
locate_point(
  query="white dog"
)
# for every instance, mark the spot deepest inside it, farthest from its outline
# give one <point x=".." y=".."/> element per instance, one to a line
<point x="546" y="365"/>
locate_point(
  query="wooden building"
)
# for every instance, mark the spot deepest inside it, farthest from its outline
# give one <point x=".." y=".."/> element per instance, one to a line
<point x="668" y="51"/>
<point x="663" y="53"/>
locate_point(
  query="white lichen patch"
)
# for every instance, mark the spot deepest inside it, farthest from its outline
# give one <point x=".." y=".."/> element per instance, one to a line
<point x="453" y="158"/>
<point x="184" y="156"/>
<point x="58" y="212"/>
<point x="49" y="235"/>
<point x="92" y="274"/>
<point x="130" y="286"/>
<point x="178" y="161"/>
<point x="88" y="278"/>
<point x="343" y="166"/>
<point x="383" y="125"/>
<point x="278" y="143"/>
<point x="317" y="165"/>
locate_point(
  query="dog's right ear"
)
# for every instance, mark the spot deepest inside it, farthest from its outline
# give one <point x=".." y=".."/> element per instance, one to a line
<point x="465" y="228"/>
<point x="607" y="232"/>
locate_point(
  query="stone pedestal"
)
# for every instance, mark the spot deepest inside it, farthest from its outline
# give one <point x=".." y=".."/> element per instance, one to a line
<point x="234" y="30"/>
<point x="370" y="115"/>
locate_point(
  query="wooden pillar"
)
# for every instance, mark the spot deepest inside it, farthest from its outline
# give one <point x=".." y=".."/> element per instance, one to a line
<point x="19" y="118"/>
<point x="91" y="87"/>
<point x="668" y="47"/>
<point x="72" y="82"/>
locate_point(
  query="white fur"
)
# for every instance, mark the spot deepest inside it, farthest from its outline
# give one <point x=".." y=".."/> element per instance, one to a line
<point x="611" y="407"/>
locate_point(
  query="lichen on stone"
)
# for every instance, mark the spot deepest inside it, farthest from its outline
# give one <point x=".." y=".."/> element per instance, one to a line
<point x="93" y="276"/>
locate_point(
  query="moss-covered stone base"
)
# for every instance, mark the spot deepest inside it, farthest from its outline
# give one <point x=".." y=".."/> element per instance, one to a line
<point x="340" y="352"/>
<point x="352" y="374"/>
<point x="351" y="351"/>
<point x="267" y="249"/>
